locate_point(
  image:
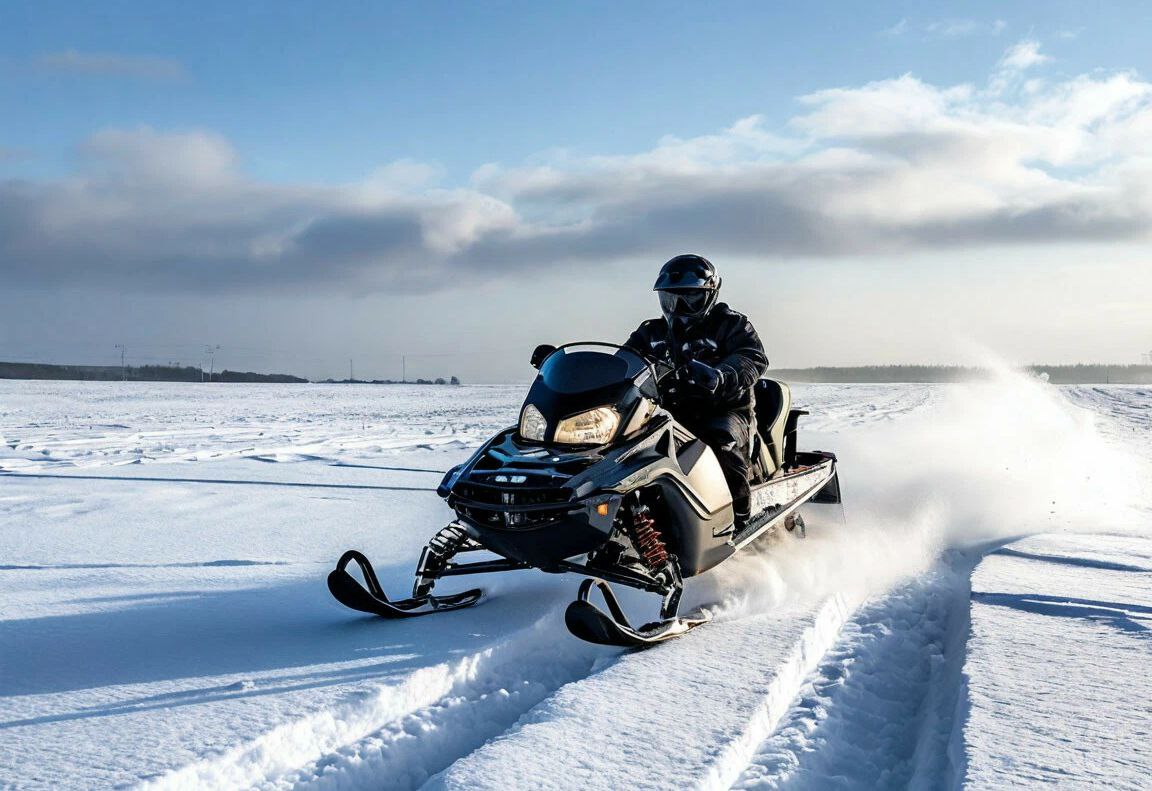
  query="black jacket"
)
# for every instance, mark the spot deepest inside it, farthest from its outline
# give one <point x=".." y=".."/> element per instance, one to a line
<point x="739" y="356"/>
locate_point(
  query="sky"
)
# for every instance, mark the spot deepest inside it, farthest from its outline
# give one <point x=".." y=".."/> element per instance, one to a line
<point x="312" y="185"/>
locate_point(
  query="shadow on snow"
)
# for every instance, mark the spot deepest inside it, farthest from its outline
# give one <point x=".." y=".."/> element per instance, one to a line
<point x="1114" y="614"/>
<point x="168" y="636"/>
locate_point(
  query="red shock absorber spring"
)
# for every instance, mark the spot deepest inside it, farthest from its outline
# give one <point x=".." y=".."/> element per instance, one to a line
<point x="647" y="539"/>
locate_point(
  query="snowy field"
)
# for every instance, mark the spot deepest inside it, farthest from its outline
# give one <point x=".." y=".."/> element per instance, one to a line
<point x="980" y="614"/>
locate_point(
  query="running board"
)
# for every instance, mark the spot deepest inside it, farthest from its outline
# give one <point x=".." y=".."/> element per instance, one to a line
<point x="801" y="488"/>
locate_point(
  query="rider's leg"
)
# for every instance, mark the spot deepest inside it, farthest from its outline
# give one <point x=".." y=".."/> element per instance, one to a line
<point x="729" y="435"/>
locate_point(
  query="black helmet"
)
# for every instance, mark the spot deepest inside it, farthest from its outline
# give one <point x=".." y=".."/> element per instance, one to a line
<point x="688" y="286"/>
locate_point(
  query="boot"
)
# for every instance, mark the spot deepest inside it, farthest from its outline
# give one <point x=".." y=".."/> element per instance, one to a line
<point x="743" y="513"/>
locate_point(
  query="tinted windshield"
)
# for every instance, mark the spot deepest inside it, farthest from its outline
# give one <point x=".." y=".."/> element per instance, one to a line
<point x="576" y="369"/>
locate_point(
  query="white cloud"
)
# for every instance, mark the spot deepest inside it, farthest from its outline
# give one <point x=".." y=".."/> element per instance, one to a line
<point x="947" y="28"/>
<point x="1023" y="55"/>
<point x="110" y="64"/>
<point x="953" y="28"/>
<point x="898" y="29"/>
<point x="193" y="159"/>
<point x="892" y="165"/>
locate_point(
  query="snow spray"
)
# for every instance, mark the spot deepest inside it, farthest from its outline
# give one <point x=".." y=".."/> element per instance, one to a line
<point x="974" y="466"/>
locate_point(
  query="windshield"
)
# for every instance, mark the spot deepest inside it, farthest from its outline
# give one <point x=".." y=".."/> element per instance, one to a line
<point x="575" y="369"/>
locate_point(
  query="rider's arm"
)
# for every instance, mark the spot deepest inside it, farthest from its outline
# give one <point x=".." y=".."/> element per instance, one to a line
<point x="643" y="340"/>
<point x="745" y="362"/>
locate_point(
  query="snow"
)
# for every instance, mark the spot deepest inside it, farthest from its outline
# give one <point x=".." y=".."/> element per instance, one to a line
<point x="164" y="620"/>
<point x="648" y="696"/>
<point x="879" y="709"/>
<point x="1064" y="622"/>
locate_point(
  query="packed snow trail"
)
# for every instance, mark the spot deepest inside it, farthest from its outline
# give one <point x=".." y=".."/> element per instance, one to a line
<point x="406" y="732"/>
<point x="880" y="709"/>
<point x="171" y="626"/>
<point x="727" y="688"/>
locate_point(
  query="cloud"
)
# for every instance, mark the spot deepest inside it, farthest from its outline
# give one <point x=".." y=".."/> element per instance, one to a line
<point x="1023" y="55"/>
<point x="899" y="29"/>
<point x="947" y="28"/>
<point x="110" y="65"/>
<point x="890" y="166"/>
<point x="952" y="28"/>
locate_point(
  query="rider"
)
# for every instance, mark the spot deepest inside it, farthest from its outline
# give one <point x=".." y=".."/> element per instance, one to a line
<point x="718" y="358"/>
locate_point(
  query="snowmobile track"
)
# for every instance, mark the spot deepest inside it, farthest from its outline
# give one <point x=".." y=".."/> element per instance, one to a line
<point x="450" y="715"/>
<point x="649" y="691"/>
<point x="880" y="710"/>
<point x="405" y="733"/>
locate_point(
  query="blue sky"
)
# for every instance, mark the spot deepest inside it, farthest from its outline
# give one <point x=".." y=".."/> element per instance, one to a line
<point x="327" y="91"/>
<point x="926" y="177"/>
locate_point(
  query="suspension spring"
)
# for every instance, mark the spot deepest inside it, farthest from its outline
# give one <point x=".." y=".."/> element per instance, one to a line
<point x="435" y="557"/>
<point x="448" y="539"/>
<point x="647" y="540"/>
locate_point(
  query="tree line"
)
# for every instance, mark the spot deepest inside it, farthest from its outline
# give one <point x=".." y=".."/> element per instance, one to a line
<point x="135" y="373"/>
<point x="1089" y="373"/>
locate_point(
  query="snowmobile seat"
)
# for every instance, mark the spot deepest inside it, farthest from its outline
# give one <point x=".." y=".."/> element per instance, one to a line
<point x="773" y="403"/>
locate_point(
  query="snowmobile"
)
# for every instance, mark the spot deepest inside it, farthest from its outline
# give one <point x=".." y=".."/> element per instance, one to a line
<point x="599" y="479"/>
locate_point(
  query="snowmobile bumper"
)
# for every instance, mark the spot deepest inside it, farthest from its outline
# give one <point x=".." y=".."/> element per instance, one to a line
<point x="540" y="534"/>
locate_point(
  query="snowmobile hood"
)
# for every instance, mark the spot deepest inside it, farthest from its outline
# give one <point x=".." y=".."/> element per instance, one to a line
<point x="580" y="377"/>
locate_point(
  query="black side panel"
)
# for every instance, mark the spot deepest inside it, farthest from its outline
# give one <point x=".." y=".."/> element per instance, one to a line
<point x="689" y="537"/>
<point x="690" y="454"/>
<point x="773" y="400"/>
<point x="794" y="416"/>
<point x="831" y="491"/>
<point x="769" y="403"/>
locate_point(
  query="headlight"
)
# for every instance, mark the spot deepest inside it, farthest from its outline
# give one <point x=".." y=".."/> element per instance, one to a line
<point x="532" y="424"/>
<point x="594" y="427"/>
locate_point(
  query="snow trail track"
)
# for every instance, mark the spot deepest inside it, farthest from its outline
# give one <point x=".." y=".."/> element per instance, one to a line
<point x="169" y="628"/>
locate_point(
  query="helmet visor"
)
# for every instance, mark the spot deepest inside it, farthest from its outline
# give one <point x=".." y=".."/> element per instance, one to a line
<point x="685" y="301"/>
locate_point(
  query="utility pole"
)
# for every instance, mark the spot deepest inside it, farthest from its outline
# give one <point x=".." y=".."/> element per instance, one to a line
<point x="211" y="352"/>
<point x="123" y="370"/>
<point x="403" y="368"/>
<point x="351" y="371"/>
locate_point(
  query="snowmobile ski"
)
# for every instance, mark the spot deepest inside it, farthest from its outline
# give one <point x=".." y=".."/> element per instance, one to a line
<point x="588" y="622"/>
<point x="371" y="599"/>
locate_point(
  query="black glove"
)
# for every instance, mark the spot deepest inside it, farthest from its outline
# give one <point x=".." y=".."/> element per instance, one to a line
<point x="704" y="376"/>
<point x="702" y="348"/>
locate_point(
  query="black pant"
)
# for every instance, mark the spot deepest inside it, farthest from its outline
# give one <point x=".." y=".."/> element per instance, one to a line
<point x="729" y="434"/>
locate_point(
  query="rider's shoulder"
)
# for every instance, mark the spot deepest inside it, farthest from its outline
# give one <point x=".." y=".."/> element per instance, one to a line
<point x="724" y="311"/>
<point x="731" y="319"/>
